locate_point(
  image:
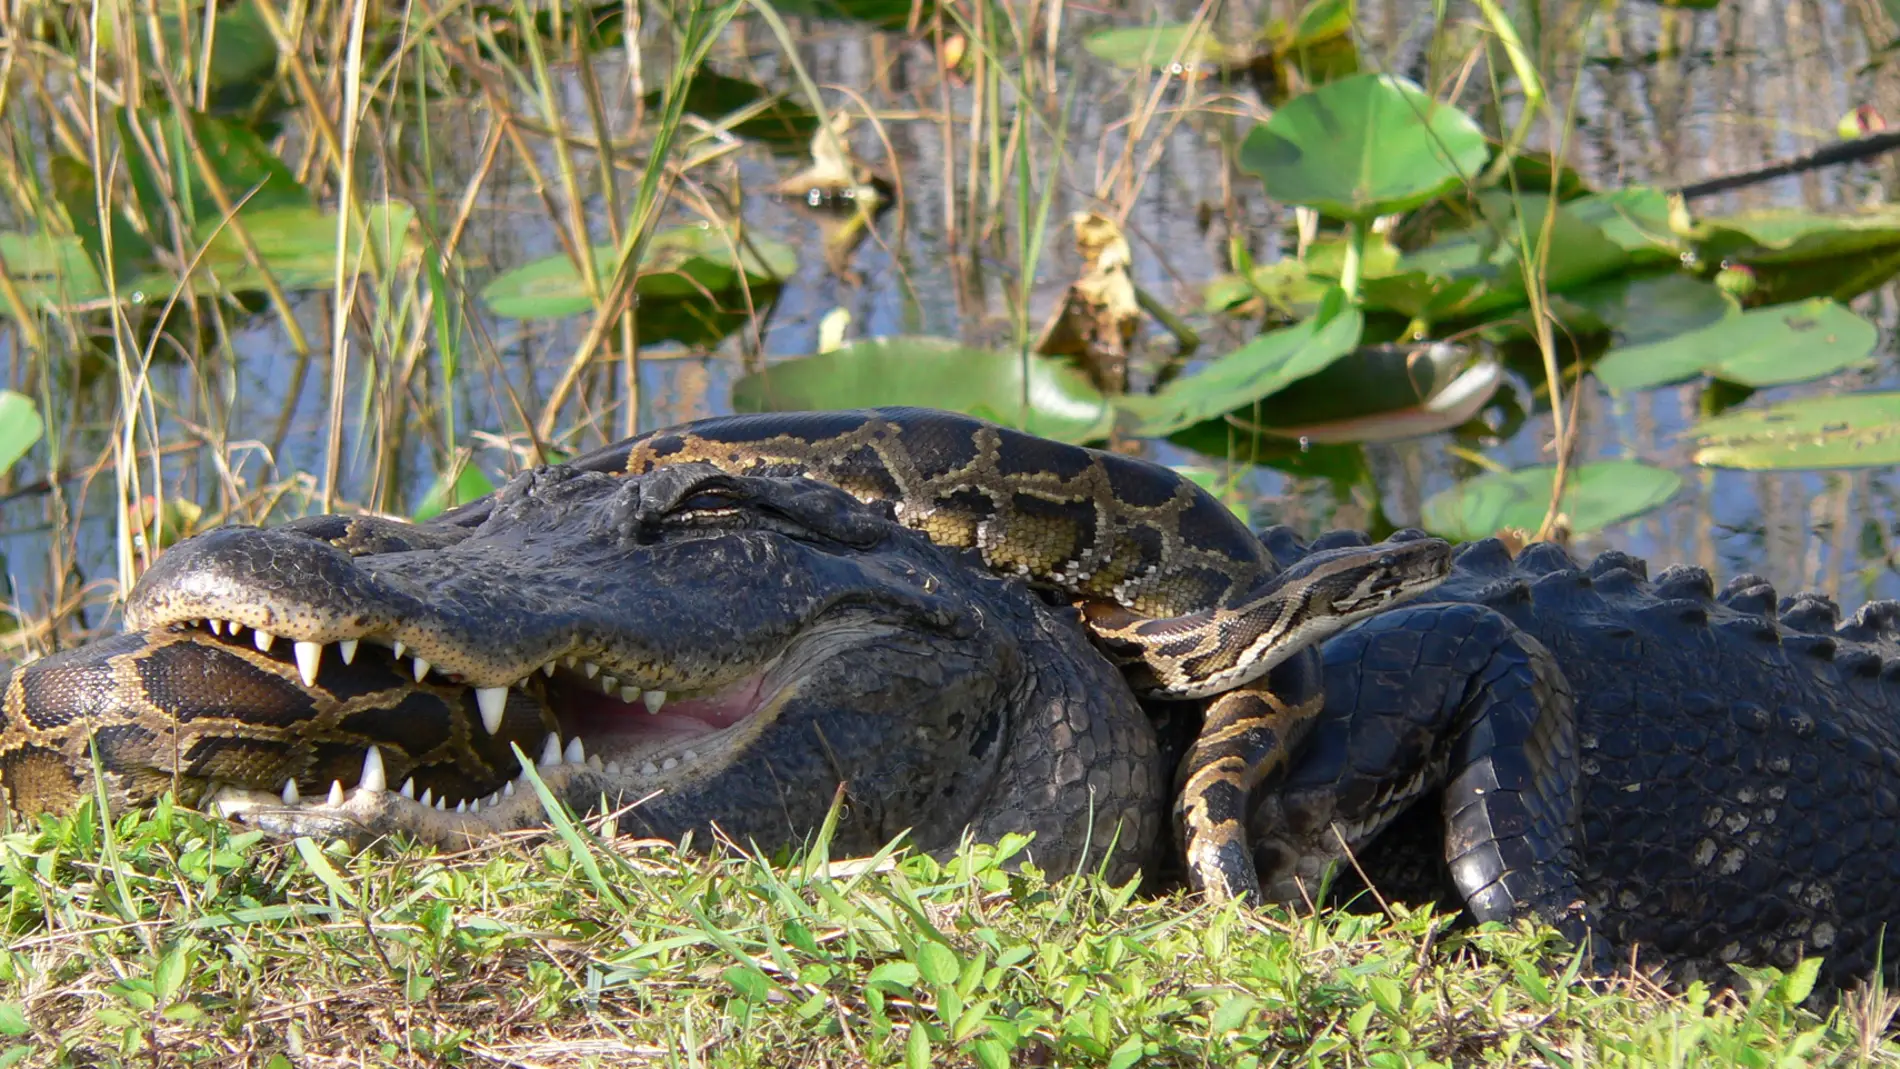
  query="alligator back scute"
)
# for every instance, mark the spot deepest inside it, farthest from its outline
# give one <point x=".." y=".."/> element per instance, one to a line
<point x="1741" y="756"/>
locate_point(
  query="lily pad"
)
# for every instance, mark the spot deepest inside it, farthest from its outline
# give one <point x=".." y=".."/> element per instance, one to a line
<point x="686" y="263"/>
<point x="1645" y="308"/>
<point x="1380" y="393"/>
<point x="20" y="427"/>
<point x="1635" y="217"/>
<point x="1364" y="146"/>
<point x="1154" y="47"/>
<point x="1046" y="397"/>
<point x="1788" y="235"/>
<point x="1595" y="496"/>
<point x="1857" y="430"/>
<point x="773" y="118"/>
<point x="50" y="271"/>
<point x="298" y="245"/>
<point x="1257" y="369"/>
<point x="1763" y="347"/>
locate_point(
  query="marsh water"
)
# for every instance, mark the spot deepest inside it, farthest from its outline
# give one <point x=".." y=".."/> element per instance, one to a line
<point x="1660" y="96"/>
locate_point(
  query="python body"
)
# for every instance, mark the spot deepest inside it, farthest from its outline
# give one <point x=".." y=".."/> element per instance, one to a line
<point x="1169" y="583"/>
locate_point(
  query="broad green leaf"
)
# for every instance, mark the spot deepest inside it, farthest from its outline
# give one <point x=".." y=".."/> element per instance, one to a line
<point x="1646" y="308"/>
<point x="1787" y="235"/>
<point x="1257" y="369"/>
<point x="1043" y="396"/>
<point x="167" y="176"/>
<point x="1154" y="47"/>
<point x="1364" y="146"/>
<point x="298" y="245"/>
<point x="444" y="495"/>
<point x="1595" y="495"/>
<point x="1635" y="217"/>
<point x="682" y="264"/>
<point x="777" y="119"/>
<point x="20" y="427"/>
<point x="13" y="1020"/>
<point x="1767" y="346"/>
<point x="1383" y="393"/>
<point x="49" y="270"/>
<point x="1478" y="270"/>
<point x="1857" y="430"/>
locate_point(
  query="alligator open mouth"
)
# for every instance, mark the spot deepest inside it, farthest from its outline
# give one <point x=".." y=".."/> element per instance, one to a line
<point x="595" y="721"/>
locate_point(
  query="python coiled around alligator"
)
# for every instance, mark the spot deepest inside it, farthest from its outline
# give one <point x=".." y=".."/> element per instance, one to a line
<point x="1169" y="582"/>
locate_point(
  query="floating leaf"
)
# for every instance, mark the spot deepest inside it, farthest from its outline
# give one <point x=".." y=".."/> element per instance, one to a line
<point x="1364" y="146"/>
<point x="298" y="245"/>
<point x="1379" y="393"/>
<point x="1856" y="430"/>
<point x="1787" y="235"/>
<point x="684" y="263"/>
<point x="20" y="427"/>
<point x="774" y="118"/>
<point x="1257" y="369"/>
<point x="250" y="174"/>
<point x="49" y="270"/>
<point x="1477" y="271"/>
<point x="1645" y="308"/>
<point x="1767" y="346"/>
<point x="1154" y="47"/>
<point x="1045" y="397"/>
<point x="1595" y="495"/>
<point x="1635" y="217"/>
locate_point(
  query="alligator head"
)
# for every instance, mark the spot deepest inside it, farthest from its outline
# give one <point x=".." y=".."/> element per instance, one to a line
<point x="687" y="648"/>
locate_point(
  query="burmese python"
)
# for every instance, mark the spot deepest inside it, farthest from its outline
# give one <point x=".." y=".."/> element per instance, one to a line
<point x="1170" y="583"/>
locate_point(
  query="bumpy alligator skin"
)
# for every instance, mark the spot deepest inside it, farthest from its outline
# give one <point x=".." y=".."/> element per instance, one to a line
<point x="1700" y="778"/>
<point x="804" y="643"/>
<point x="539" y="576"/>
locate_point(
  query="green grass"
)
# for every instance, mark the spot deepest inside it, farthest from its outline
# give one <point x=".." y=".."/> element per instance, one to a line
<point x="170" y="939"/>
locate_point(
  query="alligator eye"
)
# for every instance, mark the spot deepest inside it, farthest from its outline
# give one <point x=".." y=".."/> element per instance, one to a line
<point x="709" y="500"/>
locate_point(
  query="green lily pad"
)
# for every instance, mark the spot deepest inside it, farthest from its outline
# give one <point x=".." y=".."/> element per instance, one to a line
<point x="1477" y="271"/>
<point x="1595" y="496"/>
<point x="298" y="245"/>
<point x="50" y="271"/>
<point x="1258" y="369"/>
<point x="1047" y="397"/>
<point x="1295" y="287"/>
<point x="1763" y="347"/>
<point x="775" y="118"/>
<point x="1792" y="235"/>
<point x="1645" y="308"/>
<point x="683" y="264"/>
<point x="1857" y="430"/>
<point x="20" y="427"/>
<point x="1635" y="217"/>
<point x="249" y="172"/>
<point x="1364" y="146"/>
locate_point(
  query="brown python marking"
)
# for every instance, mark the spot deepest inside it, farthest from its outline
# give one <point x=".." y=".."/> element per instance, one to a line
<point x="241" y="717"/>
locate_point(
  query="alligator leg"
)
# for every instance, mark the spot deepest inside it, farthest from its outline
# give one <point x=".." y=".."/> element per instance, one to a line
<point x="1451" y="700"/>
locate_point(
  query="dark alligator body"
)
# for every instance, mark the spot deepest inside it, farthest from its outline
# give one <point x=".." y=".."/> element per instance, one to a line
<point x="1700" y="778"/>
<point x="1736" y="760"/>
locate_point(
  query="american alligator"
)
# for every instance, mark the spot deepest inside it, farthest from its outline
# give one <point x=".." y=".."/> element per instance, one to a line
<point x="1692" y="776"/>
<point x="623" y="567"/>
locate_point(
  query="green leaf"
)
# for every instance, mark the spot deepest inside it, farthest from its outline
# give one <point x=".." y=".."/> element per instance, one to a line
<point x="1257" y="369"/>
<point x="1478" y="270"/>
<point x="298" y="244"/>
<point x="686" y="263"/>
<point x="1040" y="395"/>
<point x="893" y="976"/>
<point x="1853" y="431"/>
<point x="937" y="963"/>
<point x="1595" y="496"/>
<point x="1646" y="308"/>
<point x="1635" y="217"/>
<point x="169" y="178"/>
<point x="468" y="486"/>
<point x="1794" y="235"/>
<point x="776" y="119"/>
<point x="20" y="427"/>
<point x="13" y="1020"/>
<point x="1154" y="47"/>
<point x="749" y="982"/>
<point x="1767" y="346"/>
<point x="1364" y="146"/>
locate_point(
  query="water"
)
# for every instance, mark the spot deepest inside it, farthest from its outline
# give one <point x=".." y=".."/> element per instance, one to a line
<point x="1660" y="97"/>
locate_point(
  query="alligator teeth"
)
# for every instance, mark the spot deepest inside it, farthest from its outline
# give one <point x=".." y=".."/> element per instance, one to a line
<point x="428" y="796"/>
<point x="654" y="699"/>
<point x="492" y="701"/>
<point x="613" y="768"/>
<point x="373" y="778"/>
<point x="689" y="756"/>
<point x="291" y="797"/>
<point x="593" y="761"/>
<point x="396" y="649"/>
<point x="336" y="794"/>
<point x="408" y="788"/>
<point x="507" y="791"/>
<point x="309" y="657"/>
<point x="629" y="694"/>
<point x="609" y="684"/>
<point x="462" y="806"/>
<point x="649" y="769"/>
<point x="571" y="661"/>
<point x="441" y="805"/>
<point x="576" y="754"/>
<point x="216" y="626"/>
<point x="590" y="668"/>
<point x="347" y="648"/>
<point x="550" y="751"/>
<point x="262" y="639"/>
<point x="669" y="764"/>
<point x="548" y="669"/>
<point x="422" y="669"/>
